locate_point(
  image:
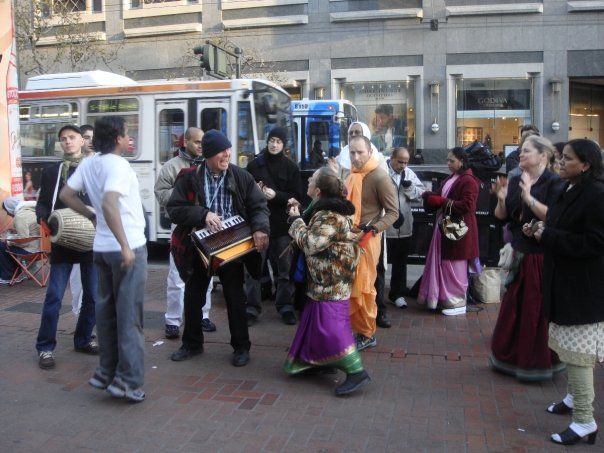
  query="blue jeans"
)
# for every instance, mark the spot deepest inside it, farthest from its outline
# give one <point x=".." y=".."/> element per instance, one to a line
<point x="57" y="283"/>
<point x="120" y="316"/>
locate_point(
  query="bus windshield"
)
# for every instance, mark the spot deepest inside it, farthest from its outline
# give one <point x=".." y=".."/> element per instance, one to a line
<point x="272" y="108"/>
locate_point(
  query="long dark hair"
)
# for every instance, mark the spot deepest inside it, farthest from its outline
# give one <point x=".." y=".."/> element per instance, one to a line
<point x="589" y="152"/>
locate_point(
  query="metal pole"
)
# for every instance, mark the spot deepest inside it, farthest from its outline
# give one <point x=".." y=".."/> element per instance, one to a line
<point x="238" y="53"/>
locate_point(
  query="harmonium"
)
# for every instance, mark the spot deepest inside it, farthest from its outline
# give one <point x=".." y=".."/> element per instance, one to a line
<point x="217" y="248"/>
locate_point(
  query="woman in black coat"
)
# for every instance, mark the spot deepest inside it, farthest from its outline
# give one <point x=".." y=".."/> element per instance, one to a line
<point x="573" y="276"/>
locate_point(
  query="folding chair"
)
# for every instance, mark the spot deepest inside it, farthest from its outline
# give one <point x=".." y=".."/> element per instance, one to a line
<point x="33" y="265"/>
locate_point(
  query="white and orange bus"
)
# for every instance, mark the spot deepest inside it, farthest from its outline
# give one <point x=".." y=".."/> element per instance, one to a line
<point x="157" y="114"/>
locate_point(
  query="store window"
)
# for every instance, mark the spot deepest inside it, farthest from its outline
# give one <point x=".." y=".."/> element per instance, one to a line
<point x="492" y="111"/>
<point x="388" y="108"/>
<point x="587" y="111"/>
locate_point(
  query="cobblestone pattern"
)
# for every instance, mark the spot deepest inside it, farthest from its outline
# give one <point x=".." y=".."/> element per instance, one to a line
<point x="431" y="390"/>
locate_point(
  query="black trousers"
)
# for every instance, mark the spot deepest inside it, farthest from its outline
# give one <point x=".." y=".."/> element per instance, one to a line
<point x="380" y="281"/>
<point x="231" y="279"/>
<point x="398" y="253"/>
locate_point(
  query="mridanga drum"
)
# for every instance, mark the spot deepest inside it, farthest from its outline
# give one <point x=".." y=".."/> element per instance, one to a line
<point x="71" y="230"/>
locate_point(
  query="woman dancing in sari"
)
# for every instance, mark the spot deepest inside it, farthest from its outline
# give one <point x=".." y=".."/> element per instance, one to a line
<point x="324" y="336"/>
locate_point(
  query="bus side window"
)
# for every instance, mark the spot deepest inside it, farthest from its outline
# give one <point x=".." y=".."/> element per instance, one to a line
<point x="128" y="108"/>
<point x="214" y="118"/>
<point x="40" y="125"/>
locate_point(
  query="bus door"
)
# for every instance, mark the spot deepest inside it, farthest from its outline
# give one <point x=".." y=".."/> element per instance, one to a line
<point x="171" y="121"/>
<point x="299" y="143"/>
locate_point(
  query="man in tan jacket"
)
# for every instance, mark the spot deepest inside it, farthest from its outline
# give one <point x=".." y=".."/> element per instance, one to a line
<point x="374" y="198"/>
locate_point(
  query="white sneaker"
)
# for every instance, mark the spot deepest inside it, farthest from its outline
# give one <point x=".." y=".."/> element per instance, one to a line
<point x="454" y="311"/>
<point x="400" y="302"/>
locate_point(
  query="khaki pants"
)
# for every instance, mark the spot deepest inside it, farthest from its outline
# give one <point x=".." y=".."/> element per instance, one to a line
<point x="581" y="387"/>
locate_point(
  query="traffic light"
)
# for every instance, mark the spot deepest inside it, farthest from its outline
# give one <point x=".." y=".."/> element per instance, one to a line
<point x="206" y="54"/>
<point x="214" y="59"/>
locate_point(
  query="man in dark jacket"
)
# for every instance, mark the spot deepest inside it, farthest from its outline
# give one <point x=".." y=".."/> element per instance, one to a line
<point x="62" y="259"/>
<point x="279" y="178"/>
<point x="203" y="197"/>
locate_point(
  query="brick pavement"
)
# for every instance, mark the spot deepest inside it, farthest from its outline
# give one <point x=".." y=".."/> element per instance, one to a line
<point x="431" y="391"/>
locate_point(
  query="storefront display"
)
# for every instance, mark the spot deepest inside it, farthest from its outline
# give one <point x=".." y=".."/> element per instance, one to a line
<point x="388" y="108"/>
<point x="492" y="111"/>
<point x="587" y="111"/>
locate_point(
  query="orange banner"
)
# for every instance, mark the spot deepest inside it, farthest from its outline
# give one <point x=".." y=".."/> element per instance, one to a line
<point x="11" y="179"/>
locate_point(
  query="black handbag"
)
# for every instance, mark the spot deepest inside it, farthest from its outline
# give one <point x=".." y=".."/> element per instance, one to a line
<point x="452" y="228"/>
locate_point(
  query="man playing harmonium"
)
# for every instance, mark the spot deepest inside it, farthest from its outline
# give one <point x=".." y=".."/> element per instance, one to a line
<point x="202" y="198"/>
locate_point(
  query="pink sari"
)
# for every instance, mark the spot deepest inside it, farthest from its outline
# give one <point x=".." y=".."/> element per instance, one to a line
<point x="444" y="282"/>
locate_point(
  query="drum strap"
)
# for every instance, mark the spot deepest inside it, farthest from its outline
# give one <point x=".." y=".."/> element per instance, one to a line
<point x="54" y="197"/>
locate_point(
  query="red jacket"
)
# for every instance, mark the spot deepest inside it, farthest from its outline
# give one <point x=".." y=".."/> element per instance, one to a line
<point x="464" y="194"/>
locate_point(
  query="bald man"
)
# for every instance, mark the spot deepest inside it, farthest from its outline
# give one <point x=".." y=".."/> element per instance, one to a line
<point x="189" y="156"/>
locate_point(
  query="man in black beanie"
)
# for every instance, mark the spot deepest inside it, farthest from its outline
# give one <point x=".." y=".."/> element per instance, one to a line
<point x="204" y="197"/>
<point x="279" y="178"/>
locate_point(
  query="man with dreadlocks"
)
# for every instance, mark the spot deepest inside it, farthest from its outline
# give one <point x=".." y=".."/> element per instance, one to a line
<point x="189" y="156"/>
<point x="62" y="259"/>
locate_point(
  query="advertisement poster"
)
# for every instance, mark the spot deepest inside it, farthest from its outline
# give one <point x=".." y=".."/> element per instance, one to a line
<point x="11" y="182"/>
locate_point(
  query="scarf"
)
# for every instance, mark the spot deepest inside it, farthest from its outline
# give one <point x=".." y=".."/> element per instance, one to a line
<point x="190" y="159"/>
<point x="68" y="162"/>
<point x="354" y="185"/>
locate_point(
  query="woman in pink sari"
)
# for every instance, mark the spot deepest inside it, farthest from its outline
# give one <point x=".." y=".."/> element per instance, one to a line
<point x="445" y="278"/>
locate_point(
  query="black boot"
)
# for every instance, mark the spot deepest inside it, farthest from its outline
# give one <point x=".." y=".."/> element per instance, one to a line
<point x="353" y="382"/>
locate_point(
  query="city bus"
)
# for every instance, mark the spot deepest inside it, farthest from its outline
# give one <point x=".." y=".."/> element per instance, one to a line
<point x="320" y="130"/>
<point x="157" y="115"/>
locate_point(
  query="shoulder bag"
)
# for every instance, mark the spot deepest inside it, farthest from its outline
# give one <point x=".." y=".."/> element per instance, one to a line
<point x="452" y="228"/>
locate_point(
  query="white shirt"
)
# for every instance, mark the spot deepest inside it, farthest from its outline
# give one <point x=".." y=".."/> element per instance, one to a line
<point x="104" y="173"/>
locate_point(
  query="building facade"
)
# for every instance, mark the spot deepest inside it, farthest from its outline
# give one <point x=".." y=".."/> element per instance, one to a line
<point x="427" y="74"/>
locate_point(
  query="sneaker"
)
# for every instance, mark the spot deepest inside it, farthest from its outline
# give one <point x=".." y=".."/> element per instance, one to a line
<point x="46" y="359"/>
<point x="400" y="302"/>
<point x="119" y="389"/>
<point x="454" y="311"/>
<point x="289" y="318"/>
<point x="172" y="332"/>
<point x="99" y="380"/>
<point x="353" y="382"/>
<point x="364" y="342"/>
<point x="207" y="325"/>
<point x="90" y="348"/>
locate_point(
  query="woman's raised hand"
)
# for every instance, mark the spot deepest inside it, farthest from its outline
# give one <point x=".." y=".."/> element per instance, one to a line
<point x="500" y="187"/>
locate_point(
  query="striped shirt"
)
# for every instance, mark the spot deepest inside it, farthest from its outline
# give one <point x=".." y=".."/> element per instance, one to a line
<point x="218" y="198"/>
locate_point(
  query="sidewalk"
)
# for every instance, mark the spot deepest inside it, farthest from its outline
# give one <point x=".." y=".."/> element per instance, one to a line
<point x="431" y="390"/>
